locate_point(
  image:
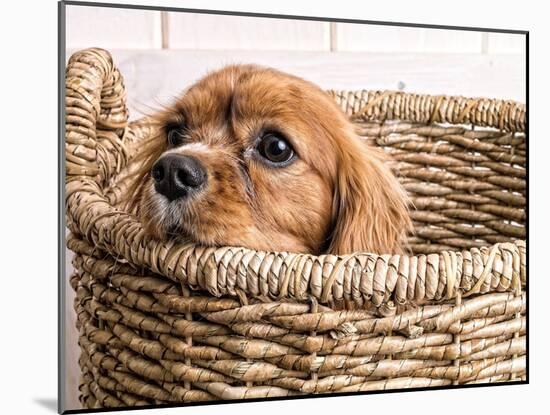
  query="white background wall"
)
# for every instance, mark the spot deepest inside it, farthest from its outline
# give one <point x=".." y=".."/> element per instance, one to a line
<point x="160" y="53"/>
<point x="145" y="29"/>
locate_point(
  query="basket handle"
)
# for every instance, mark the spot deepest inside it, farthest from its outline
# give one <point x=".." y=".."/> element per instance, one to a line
<point x="96" y="117"/>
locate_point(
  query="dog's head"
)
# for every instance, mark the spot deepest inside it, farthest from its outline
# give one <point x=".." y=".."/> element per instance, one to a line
<point x="250" y="156"/>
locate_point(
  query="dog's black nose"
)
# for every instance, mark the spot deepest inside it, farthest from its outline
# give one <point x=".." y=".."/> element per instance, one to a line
<point x="177" y="175"/>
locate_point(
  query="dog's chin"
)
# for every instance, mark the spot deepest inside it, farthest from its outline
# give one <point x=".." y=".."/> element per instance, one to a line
<point x="160" y="217"/>
<point x="176" y="233"/>
<point x="169" y="229"/>
<point x="170" y="221"/>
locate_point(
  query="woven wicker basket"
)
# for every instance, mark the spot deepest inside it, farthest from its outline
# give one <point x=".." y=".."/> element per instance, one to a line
<point x="166" y="323"/>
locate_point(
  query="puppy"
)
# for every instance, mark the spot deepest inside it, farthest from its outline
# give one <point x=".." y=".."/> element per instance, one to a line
<point x="250" y="156"/>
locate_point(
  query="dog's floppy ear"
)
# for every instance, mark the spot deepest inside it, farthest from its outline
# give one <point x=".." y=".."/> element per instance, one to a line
<point x="370" y="208"/>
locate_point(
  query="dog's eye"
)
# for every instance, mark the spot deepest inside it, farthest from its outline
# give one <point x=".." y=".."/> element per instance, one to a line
<point x="275" y="148"/>
<point x="175" y="137"/>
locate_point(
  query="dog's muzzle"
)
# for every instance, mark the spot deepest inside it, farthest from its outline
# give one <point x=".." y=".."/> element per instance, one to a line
<point x="177" y="176"/>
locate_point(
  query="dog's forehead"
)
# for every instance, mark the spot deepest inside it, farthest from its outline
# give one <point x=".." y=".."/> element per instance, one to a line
<point x="245" y="90"/>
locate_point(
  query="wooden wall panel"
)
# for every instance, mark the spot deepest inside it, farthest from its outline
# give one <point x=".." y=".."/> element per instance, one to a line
<point x="112" y="28"/>
<point x="506" y="43"/>
<point x="378" y="38"/>
<point x="204" y="31"/>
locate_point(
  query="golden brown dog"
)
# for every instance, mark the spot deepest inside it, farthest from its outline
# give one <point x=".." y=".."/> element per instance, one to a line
<point x="250" y="156"/>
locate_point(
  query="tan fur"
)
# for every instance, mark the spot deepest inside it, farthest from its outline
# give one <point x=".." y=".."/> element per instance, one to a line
<point x="338" y="196"/>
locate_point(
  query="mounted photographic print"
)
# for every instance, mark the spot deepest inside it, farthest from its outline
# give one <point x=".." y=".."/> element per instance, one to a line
<point x="265" y="207"/>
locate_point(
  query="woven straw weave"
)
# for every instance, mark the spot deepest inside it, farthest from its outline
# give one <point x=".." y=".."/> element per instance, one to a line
<point x="166" y="323"/>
